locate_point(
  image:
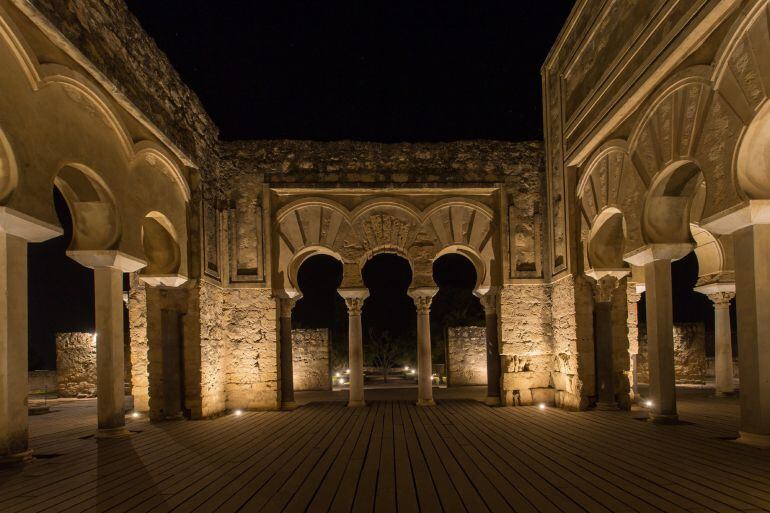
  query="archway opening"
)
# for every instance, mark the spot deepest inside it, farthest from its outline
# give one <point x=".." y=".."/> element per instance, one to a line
<point x="62" y="343"/>
<point x="389" y="322"/>
<point x="319" y="326"/>
<point x="458" y="332"/>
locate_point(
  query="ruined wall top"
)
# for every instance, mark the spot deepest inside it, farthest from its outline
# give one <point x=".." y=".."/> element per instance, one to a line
<point x="316" y="162"/>
<point x="111" y="37"/>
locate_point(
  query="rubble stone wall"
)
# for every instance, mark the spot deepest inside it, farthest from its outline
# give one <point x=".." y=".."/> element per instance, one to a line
<point x="139" y="346"/>
<point x="213" y="350"/>
<point x="526" y="344"/>
<point x="310" y="359"/>
<point x="690" y="362"/>
<point x="76" y="364"/>
<point x="249" y="325"/>
<point x="467" y="353"/>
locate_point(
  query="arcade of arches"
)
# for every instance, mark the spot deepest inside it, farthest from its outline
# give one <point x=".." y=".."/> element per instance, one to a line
<point x="655" y="147"/>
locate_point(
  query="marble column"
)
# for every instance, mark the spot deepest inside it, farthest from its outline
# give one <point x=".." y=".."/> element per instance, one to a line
<point x="489" y="302"/>
<point x="633" y="295"/>
<point x="752" y="285"/>
<point x="721" y="293"/>
<point x="110" y="378"/>
<point x="660" y="341"/>
<point x="13" y="349"/>
<point x="354" y="300"/>
<point x="287" y="362"/>
<point x="423" y="296"/>
<point x="605" y="283"/>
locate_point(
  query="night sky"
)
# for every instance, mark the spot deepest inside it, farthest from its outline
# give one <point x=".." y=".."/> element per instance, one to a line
<point x="377" y="71"/>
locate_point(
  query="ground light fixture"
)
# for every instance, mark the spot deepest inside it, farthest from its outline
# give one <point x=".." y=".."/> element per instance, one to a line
<point x="648" y="403"/>
<point x="541" y="406"/>
<point x="136" y="415"/>
<point x="341" y="381"/>
<point x="238" y="413"/>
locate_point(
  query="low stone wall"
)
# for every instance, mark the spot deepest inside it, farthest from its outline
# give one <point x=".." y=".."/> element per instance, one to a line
<point x="689" y="353"/>
<point x="310" y="359"/>
<point x="76" y="364"/>
<point x="41" y="381"/>
<point x="467" y="354"/>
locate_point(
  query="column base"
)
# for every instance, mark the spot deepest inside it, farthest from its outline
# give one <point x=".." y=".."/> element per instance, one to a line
<point x="607" y="406"/>
<point x="492" y="400"/>
<point x="118" y="432"/>
<point x="426" y="402"/>
<point x="723" y="393"/>
<point x="661" y="418"/>
<point x="356" y="404"/>
<point x="13" y="460"/>
<point x="289" y="406"/>
<point x="761" y="441"/>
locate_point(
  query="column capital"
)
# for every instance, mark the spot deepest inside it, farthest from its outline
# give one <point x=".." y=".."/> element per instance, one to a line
<point x="605" y="281"/>
<point x="354" y="299"/>
<point x="489" y="300"/>
<point x="106" y="258"/>
<point x="422" y="296"/>
<point x="720" y="293"/>
<point x="286" y="305"/>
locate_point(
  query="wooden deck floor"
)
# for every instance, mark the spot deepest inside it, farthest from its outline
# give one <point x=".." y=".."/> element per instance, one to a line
<point x="393" y="456"/>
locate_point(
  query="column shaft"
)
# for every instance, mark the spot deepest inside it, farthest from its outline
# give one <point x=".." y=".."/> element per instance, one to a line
<point x="604" y="357"/>
<point x="660" y="341"/>
<point x="424" y="358"/>
<point x="355" y="358"/>
<point x="108" y="288"/>
<point x="723" y="349"/>
<point x="13" y="348"/>
<point x="493" y="358"/>
<point x="287" y="357"/>
<point x="752" y="284"/>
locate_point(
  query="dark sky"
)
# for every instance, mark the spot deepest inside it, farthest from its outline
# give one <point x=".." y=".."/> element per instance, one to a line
<point x="364" y="70"/>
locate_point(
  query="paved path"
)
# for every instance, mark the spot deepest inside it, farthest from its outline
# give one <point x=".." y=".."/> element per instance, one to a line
<point x="393" y="456"/>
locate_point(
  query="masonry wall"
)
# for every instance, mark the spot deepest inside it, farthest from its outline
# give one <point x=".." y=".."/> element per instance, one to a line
<point x="526" y="343"/>
<point x="249" y="323"/>
<point x="76" y="364"/>
<point x="467" y="354"/>
<point x="310" y="359"/>
<point x="213" y="350"/>
<point x="139" y="347"/>
<point x="690" y="362"/>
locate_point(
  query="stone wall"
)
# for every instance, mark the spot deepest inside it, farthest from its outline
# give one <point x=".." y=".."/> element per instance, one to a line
<point x="526" y="343"/>
<point x="251" y="330"/>
<point x="574" y="374"/>
<point x="689" y="353"/>
<point x="137" y="325"/>
<point x="310" y="359"/>
<point x="467" y="354"/>
<point x="76" y="364"/>
<point x="213" y="350"/>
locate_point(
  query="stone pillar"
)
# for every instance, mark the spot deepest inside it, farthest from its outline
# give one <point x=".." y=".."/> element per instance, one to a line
<point x="720" y="293"/>
<point x="110" y="379"/>
<point x="605" y="283"/>
<point x="660" y="341"/>
<point x="752" y="283"/>
<point x="287" y="366"/>
<point x="13" y="349"/>
<point x="489" y="302"/>
<point x="633" y="295"/>
<point x="354" y="299"/>
<point x="423" y="296"/>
